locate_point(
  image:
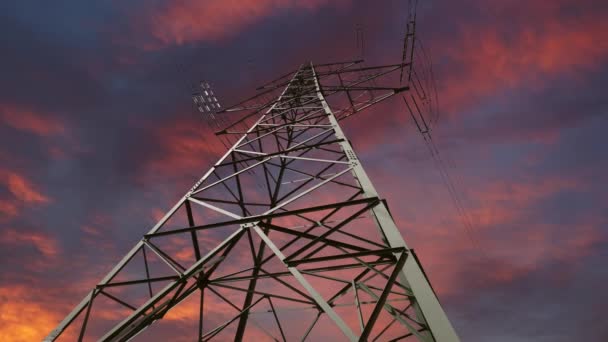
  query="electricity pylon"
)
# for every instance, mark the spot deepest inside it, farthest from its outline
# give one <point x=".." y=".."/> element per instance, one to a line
<point x="285" y="237"/>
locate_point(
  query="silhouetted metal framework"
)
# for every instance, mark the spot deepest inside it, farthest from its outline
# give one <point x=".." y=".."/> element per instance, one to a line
<point x="285" y="237"/>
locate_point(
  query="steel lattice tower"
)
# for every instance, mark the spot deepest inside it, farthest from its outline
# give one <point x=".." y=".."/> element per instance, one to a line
<point x="285" y="237"/>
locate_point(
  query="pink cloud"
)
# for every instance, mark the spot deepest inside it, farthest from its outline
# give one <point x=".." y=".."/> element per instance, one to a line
<point x="8" y="209"/>
<point x="188" y="21"/>
<point x="512" y="54"/>
<point x="185" y="147"/>
<point x="31" y="122"/>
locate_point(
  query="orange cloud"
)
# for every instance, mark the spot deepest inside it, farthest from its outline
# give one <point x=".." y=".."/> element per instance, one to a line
<point x="23" y="319"/>
<point x="187" y="21"/>
<point x="24" y="190"/>
<point x="28" y="121"/>
<point x="46" y="245"/>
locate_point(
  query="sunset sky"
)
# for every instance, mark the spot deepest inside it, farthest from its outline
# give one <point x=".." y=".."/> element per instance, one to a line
<point x="99" y="137"/>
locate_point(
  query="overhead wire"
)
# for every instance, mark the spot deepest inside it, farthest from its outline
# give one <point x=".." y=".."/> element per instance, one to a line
<point x="425" y="78"/>
<point x="432" y="82"/>
<point x="455" y="195"/>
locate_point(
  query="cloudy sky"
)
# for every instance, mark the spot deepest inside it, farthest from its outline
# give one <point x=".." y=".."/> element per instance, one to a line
<point x="98" y="137"/>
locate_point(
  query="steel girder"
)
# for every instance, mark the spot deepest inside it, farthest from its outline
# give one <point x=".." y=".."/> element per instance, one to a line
<point x="286" y="224"/>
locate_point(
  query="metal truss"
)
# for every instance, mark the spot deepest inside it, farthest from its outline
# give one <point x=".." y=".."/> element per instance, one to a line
<point x="284" y="238"/>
